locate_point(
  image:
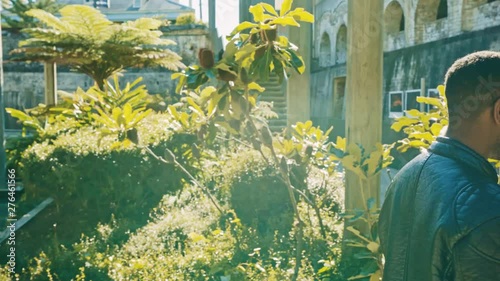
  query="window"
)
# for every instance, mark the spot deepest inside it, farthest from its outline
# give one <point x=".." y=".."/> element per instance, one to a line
<point x="442" y="10"/>
<point x="100" y="3"/>
<point x="396" y="104"/>
<point x="341" y="45"/>
<point x="137" y="4"/>
<point x="411" y="101"/>
<point x="339" y="98"/>
<point x="431" y="93"/>
<point x="394" y="18"/>
<point x="401" y="102"/>
<point x="325" y="50"/>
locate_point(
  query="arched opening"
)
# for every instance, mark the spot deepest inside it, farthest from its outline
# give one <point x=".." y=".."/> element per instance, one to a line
<point x="442" y="9"/>
<point x="325" y="49"/>
<point x="341" y="45"/>
<point x="394" y="18"/>
<point x="428" y="11"/>
<point x="431" y="10"/>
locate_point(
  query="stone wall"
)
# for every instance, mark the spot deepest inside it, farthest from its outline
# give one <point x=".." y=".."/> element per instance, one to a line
<point x="24" y="83"/>
<point x="422" y="47"/>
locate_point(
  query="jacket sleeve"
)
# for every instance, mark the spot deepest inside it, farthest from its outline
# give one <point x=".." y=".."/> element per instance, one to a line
<point x="477" y="255"/>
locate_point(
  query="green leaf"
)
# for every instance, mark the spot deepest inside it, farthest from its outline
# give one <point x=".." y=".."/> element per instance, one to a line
<point x="257" y="87"/>
<point x="441" y="90"/>
<point x="354" y="150"/>
<point x="245" y="52"/>
<point x="270" y="9"/>
<point x="403" y="122"/>
<point x="418" y="144"/>
<point x="257" y="12"/>
<point x="414" y="112"/>
<point x="207" y="92"/>
<point x="286" y="6"/>
<point x="286" y="21"/>
<point x="302" y="15"/>
<point x="431" y="101"/>
<point x="373" y="247"/>
<point x="373" y="162"/>
<point x="377" y="276"/>
<point x="176" y="75"/>
<point x="195" y="237"/>
<point x="341" y="144"/>
<point x="196" y="108"/>
<point x="297" y="62"/>
<point x="226" y="67"/>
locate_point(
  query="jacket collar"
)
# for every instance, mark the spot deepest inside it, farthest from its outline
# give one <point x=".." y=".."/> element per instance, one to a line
<point x="452" y="148"/>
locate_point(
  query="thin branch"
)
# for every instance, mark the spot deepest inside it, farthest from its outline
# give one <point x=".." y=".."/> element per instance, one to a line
<point x="179" y="165"/>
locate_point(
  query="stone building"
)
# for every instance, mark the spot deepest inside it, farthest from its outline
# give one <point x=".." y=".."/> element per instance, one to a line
<point x="422" y="38"/>
<point x="125" y="10"/>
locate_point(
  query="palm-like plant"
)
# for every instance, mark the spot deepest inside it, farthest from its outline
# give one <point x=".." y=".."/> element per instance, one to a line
<point x="84" y="39"/>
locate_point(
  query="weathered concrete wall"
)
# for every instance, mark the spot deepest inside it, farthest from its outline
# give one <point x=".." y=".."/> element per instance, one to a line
<point x="424" y="47"/>
<point x="24" y="83"/>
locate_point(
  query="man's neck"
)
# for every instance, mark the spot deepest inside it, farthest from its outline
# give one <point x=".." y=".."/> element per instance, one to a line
<point x="471" y="140"/>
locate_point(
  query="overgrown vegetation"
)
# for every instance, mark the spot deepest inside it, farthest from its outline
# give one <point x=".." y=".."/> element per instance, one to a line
<point x="238" y="201"/>
<point x="188" y="18"/>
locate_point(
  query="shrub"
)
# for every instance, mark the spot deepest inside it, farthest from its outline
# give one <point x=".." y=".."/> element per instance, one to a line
<point x="187" y="239"/>
<point x="76" y="165"/>
<point x="91" y="178"/>
<point x="256" y="193"/>
<point x="185" y="19"/>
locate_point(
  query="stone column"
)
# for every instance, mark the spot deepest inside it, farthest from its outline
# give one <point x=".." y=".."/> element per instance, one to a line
<point x="364" y="89"/>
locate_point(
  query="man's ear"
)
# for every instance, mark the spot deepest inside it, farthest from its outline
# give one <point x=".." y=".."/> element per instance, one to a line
<point x="496" y="112"/>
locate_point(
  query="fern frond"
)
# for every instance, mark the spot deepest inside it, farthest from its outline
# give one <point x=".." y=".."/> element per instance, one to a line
<point x="85" y="20"/>
<point x="144" y="23"/>
<point x="48" y="19"/>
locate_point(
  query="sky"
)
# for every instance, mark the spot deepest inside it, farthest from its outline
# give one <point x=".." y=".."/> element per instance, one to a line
<point x="227" y="13"/>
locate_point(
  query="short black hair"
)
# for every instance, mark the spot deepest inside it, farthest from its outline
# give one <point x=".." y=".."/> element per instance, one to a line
<point x="472" y="84"/>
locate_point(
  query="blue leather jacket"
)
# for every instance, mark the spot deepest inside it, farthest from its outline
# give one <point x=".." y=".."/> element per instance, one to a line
<point x="441" y="217"/>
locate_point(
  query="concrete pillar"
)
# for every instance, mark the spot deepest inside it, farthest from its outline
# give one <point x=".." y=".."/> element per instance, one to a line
<point x="50" y="77"/>
<point x="211" y="14"/>
<point x="299" y="86"/>
<point x="364" y="89"/>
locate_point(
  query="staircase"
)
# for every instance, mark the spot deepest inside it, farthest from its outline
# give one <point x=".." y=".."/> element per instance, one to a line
<point x="276" y="93"/>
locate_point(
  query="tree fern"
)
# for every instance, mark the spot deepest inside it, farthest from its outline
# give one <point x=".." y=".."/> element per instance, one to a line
<point x="88" y="42"/>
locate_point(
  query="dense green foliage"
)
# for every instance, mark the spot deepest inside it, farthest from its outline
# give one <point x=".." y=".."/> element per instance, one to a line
<point x="91" y="178"/>
<point x="51" y="165"/>
<point x="187" y="239"/>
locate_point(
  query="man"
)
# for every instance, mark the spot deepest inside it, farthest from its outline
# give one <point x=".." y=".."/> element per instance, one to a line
<point x="441" y="216"/>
